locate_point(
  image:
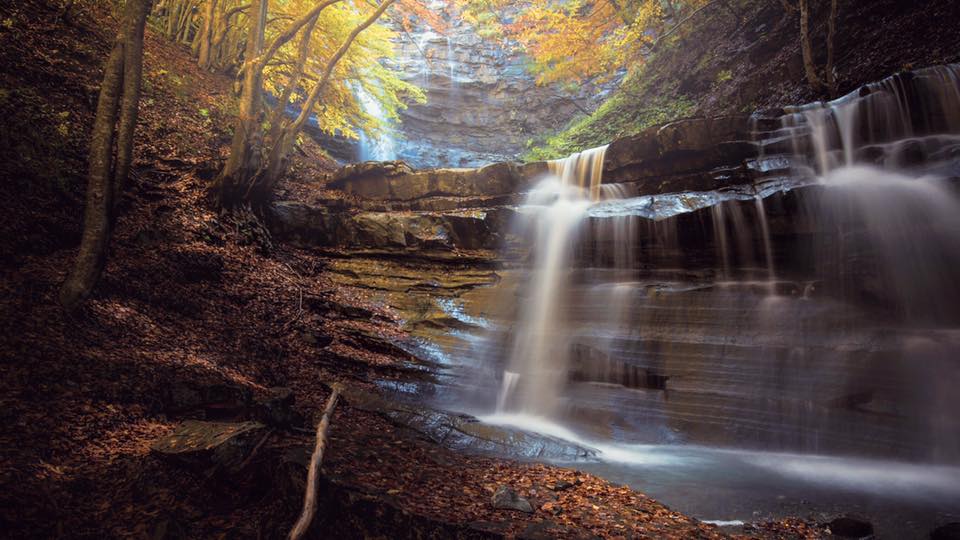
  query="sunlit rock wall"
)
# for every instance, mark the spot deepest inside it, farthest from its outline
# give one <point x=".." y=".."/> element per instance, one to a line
<point x="482" y="103"/>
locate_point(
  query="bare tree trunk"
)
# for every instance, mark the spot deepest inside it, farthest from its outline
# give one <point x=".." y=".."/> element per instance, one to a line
<point x="222" y="30"/>
<point x="119" y="95"/>
<point x="809" y="65"/>
<point x="206" y="34"/>
<point x="173" y="18"/>
<point x="96" y="216"/>
<point x="831" y="39"/>
<point x="130" y="105"/>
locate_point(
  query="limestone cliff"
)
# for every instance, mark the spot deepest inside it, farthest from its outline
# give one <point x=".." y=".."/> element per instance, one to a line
<point x="482" y="104"/>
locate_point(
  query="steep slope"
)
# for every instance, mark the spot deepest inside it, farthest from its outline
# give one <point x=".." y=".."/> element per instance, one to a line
<point x="716" y="65"/>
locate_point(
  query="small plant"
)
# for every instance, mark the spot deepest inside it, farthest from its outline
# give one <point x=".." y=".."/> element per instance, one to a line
<point x="724" y="76"/>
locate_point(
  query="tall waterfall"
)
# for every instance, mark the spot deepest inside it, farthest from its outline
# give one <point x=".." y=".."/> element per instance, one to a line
<point x="539" y="358"/>
<point x="384" y="146"/>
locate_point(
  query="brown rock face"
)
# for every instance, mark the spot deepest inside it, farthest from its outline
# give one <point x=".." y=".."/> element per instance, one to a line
<point x="482" y="103"/>
<point x="471" y="208"/>
<point x="396" y="181"/>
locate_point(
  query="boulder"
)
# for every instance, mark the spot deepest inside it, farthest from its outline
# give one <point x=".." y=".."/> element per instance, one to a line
<point x="506" y="498"/>
<point x="318" y="226"/>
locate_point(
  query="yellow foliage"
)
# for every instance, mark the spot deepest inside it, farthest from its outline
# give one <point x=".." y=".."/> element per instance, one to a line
<point x="337" y="110"/>
<point x="573" y="40"/>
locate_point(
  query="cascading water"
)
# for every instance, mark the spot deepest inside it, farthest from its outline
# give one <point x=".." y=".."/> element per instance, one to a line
<point x="883" y="153"/>
<point x="815" y="331"/>
<point x="384" y="146"/>
<point x="538" y="362"/>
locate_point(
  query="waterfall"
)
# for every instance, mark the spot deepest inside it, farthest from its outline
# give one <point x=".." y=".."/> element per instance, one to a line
<point x="452" y="67"/>
<point x="883" y="153"/>
<point x="383" y="147"/>
<point x="796" y="336"/>
<point x="583" y="170"/>
<point x="813" y="315"/>
<point x="539" y="356"/>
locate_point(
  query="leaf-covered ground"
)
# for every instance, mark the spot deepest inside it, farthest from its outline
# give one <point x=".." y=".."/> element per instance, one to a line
<point x="191" y="297"/>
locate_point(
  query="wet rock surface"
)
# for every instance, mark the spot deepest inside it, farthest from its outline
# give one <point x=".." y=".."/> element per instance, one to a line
<point x="464" y="432"/>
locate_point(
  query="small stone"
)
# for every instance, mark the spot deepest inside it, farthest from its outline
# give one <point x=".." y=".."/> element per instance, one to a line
<point x="552" y="507"/>
<point x="505" y="498"/>
<point x="850" y="527"/>
<point x="563" y="485"/>
<point x="316" y="339"/>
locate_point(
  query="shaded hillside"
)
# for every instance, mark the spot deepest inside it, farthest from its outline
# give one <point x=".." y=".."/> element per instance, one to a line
<point x="716" y="65"/>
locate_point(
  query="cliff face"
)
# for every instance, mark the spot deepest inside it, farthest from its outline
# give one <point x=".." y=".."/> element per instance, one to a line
<point x="482" y="104"/>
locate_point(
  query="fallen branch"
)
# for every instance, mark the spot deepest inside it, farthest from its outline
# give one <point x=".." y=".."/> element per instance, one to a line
<point x="313" y="473"/>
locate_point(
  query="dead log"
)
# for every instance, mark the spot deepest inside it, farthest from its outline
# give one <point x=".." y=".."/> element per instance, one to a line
<point x="313" y="473"/>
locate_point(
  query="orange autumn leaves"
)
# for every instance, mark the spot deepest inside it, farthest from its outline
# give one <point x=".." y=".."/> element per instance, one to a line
<point x="575" y="40"/>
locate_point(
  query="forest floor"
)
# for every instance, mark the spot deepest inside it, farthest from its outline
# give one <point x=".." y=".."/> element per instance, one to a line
<point x="191" y="298"/>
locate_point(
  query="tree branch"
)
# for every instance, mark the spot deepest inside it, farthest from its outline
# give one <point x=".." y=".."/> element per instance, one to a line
<point x="313" y="473"/>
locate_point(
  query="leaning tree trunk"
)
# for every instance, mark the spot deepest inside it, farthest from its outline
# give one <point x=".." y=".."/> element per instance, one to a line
<point x="119" y="96"/>
<point x="285" y="141"/>
<point x="244" y="160"/>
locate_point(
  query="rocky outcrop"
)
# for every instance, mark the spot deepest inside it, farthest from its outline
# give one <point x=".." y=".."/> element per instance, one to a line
<point x="688" y="155"/>
<point x="459" y="229"/>
<point x="402" y="208"/>
<point x="396" y="181"/>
